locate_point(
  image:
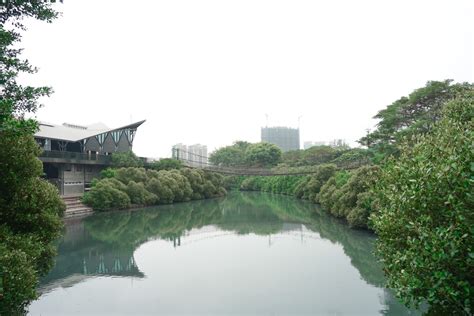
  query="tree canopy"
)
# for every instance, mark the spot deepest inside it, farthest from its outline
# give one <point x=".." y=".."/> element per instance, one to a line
<point x="126" y="159"/>
<point x="413" y="114"/>
<point x="425" y="214"/>
<point x="17" y="100"/>
<point x="30" y="207"/>
<point x="230" y="156"/>
<point x="262" y="154"/>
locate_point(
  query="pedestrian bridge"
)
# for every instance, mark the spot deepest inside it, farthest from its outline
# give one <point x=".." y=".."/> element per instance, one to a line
<point x="195" y="161"/>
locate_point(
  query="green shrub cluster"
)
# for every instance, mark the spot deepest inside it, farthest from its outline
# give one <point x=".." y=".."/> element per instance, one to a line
<point x="247" y="154"/>
<point x="425" y="215"/>
<point x="344" y="194"/>
<point x="30" y="220"/>
<point x="137" y="186"/>
<point x="273" y="184"/>
<point x="126" y="159"/>
<point x="166" y="164"/>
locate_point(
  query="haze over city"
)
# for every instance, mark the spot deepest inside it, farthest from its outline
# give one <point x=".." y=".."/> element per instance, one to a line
<point x="208" y="72"/>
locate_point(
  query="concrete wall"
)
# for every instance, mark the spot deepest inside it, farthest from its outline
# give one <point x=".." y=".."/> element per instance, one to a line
<point x="74" y="177"/>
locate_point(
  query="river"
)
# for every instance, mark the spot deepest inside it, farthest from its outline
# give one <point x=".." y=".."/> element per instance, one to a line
<point x="245" y="254"/>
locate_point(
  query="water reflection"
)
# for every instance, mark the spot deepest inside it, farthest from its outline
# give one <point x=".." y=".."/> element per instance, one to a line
<point x="106" y="244"/>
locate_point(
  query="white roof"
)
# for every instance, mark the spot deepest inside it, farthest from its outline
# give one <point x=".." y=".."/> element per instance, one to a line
<point x="74" y="133"/>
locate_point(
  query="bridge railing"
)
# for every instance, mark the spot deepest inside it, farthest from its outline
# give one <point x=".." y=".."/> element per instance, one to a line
<point x="249" y="171"/>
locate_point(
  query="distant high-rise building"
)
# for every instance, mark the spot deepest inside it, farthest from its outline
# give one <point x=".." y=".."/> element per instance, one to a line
<point x="193" y="155"/>
<point x="197" y="155"/>
<point x="284" y="137"/>
<point x="310" y="144"/>
<point x="179" y="151"/>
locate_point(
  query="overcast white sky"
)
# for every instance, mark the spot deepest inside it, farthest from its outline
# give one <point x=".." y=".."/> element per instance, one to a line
<point x="208" y="71"/>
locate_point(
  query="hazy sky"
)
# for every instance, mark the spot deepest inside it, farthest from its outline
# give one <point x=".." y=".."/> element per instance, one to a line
<point x="208" y="71"/>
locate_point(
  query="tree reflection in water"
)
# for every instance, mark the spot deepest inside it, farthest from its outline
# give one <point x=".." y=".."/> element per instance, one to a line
<point x="103" y="244"/>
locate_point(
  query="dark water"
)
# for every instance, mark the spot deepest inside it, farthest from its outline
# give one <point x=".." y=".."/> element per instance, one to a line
<point x="246" y="254"/>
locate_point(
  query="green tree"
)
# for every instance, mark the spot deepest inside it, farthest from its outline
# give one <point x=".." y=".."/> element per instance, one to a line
<point x="425" y="215"/>
<point x="17" y="100"/>
<point x="30" y="208"/>
<point x="230" y="156"/>
<point x="166" y="164"/>
<point x="412" y="115"/>
<point x="126" y="159"/>
<point x="138" y="186"/>
<point x="262" y="154"/>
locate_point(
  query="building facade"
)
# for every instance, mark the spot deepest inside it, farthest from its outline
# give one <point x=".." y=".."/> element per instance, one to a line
<point x="73" y="154"/>
<point x="284" y="137"/>
<point x="192" y="155"/>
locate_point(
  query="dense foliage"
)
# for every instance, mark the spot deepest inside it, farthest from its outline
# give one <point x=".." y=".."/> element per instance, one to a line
<point x="30" y="208"/>
<point x="120" y="188"/>
<point x="425" y="215"/>
<point x="312" y="156"/>
<point x="230" y="156"/>
<point x="411" y="115"/>
<point x="126" y="159"/>
<point x="346" y="195"/>
<point x="342" y="193"/>
<point x="262" y="154"/>
<point x="166" y="164"/>
<point x="247" y="154"/>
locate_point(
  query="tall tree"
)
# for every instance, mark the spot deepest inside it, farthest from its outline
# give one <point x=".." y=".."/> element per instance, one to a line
<point x="425" y="217"/>
<point x="30" y="207"/>
<point x="412" y="115"/>
<point x="263" y="154"/>
<point x="229" y="156"/>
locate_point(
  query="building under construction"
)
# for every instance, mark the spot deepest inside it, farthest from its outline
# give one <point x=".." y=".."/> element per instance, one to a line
<point x="284" y="137"/>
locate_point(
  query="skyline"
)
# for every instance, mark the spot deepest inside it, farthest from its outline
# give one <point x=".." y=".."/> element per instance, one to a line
<point x="210" y="72"/>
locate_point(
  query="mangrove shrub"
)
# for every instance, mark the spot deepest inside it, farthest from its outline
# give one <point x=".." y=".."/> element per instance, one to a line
<point x="425" y="215"/>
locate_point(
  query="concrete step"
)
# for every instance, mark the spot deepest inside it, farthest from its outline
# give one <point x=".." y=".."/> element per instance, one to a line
<point x="78" y="208"/>
<point x="75" y="207"/>
<point x="73" y="203"/>
<point x="67" y="197"/>
<point x="78" y="213"/>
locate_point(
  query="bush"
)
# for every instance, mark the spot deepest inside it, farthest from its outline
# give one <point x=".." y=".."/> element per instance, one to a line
<point x="18" y="262"/>
<point x="345" y="195"/>
<point x="108" y="173"/>
<point x="262" y="154"/>
<point x="425" y="215"/>
<point x="149" y="187"/>
<point x="164" y="194"/>
<point x="316" y="181"/>
<point x="126" y="159"/>
<point x="104" y="196"/>
<point x="139" y="195"/>
<point x="126" y="175"/>
<point x="166" y="164"/>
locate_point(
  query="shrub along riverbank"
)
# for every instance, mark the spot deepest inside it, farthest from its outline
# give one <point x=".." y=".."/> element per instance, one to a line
<point x="121" y="188"/>
<point x="418" y="199"/>
<point x="343" y="193"/>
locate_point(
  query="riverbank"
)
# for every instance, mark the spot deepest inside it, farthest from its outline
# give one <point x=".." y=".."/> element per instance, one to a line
<point x="247" y="243"/>
<point x="341" y="193"/>
<point x="131" y="187"/>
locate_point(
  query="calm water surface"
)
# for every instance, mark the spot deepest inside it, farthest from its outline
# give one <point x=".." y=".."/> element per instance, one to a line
<point x="245" y="254"/>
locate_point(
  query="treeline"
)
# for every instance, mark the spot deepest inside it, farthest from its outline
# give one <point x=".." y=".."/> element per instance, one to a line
<point x="123" y="187"/>
<point x="245" y="154"/>
<point x="416" y="193"/>
<point x="342" y="193"/>
<point x="248" y="155"/>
